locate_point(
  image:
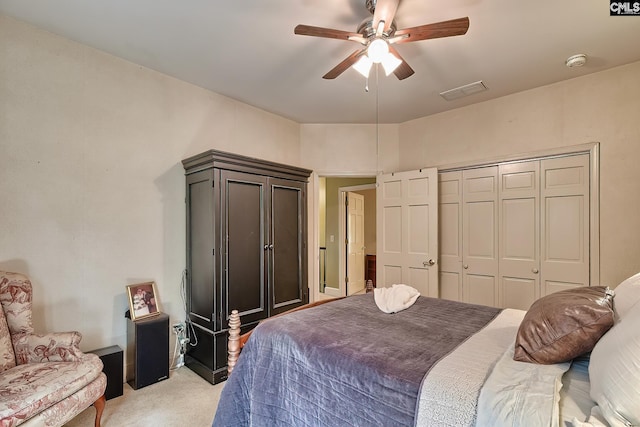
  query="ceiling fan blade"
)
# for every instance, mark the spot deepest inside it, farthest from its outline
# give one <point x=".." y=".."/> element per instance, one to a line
<point x="308" y="30"/>
<point x="454" y="27"/>
<point x="385" y="11"/>
<point x="341" y="67"/>
<point x="404" y="70"/>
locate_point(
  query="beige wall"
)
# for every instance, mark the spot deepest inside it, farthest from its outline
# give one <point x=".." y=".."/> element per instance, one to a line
<point x="90" y="175"/>
<point x="601" y="107"/>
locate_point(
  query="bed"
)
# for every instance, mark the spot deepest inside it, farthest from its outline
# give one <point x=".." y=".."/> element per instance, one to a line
<point x="442" y="362"/>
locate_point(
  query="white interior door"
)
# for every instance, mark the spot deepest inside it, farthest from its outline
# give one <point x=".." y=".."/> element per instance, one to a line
<point x="355" y="243"/>
<point x="407" y="230"/>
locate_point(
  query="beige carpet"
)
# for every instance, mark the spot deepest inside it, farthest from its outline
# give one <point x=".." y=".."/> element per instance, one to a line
<point x="184" y="399"/>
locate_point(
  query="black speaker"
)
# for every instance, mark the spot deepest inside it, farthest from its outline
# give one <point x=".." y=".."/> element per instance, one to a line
<point x="112" y="367"/>
<point x="149" y="340"/>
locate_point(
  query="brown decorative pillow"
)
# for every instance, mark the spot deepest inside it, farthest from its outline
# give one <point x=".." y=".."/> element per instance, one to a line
<point x="564" y="325"/>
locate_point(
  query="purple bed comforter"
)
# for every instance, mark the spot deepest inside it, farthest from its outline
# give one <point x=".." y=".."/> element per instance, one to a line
<point x="344" y="363"/>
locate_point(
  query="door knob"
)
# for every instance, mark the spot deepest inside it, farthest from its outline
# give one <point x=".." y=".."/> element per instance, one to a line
<point x="534" y="270"/>
<point x="465" y="266"/>
<point x="428" y="263"/>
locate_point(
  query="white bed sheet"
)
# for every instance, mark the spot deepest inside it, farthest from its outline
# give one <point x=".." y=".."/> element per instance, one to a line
<point x="574" y="395"/>
<point x="450" y="394"/>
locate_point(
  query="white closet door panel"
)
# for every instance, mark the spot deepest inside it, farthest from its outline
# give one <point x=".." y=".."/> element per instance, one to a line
<point x="480" y="242"/>
<point x="450" y="284"/>
<point x="519" y="234"/>
<point x="450" y="234"/>
<point x="480" y="289"/>
<point x="565" y="223"/>
<point x="480" y="236"/>
<point x="517" y="292"/>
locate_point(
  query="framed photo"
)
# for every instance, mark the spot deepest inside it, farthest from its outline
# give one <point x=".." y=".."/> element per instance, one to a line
<point x="143" y="300"/>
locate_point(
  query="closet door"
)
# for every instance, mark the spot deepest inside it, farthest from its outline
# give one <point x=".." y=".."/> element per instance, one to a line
<point x="450" y="234"/>
<point x="244" y="245"/>
<point x="565" y="223"/>
<point x="480" y="236"/>
<point x="519" y="231"/>
<point x="287" y="258"/>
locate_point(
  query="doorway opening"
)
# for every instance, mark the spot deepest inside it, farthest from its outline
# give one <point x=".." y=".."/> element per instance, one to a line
<point x="357" y="213"/>
<point x="333" y="232"/>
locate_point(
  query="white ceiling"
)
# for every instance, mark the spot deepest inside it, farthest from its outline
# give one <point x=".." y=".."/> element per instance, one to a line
<point x="246" y="49"/>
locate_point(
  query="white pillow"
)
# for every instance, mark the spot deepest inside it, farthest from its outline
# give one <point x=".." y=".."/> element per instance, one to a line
<point x="627" y="294"/>
<point x="614" y="370"/>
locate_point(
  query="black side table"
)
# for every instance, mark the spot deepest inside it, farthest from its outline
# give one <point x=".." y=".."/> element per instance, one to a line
<point x="112" y="360"/>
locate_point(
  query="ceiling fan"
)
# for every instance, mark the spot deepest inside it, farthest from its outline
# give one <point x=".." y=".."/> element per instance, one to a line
<point x="378" y="35"/>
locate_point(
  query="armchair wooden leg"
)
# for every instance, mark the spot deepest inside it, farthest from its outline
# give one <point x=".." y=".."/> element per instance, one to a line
<point x="99" y="405"/>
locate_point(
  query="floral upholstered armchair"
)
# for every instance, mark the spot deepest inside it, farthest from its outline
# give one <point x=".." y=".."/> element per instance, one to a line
<point x="45" y="380"/>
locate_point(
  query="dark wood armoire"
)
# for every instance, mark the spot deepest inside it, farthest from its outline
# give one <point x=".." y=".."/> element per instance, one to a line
<point x="246" y="249"/>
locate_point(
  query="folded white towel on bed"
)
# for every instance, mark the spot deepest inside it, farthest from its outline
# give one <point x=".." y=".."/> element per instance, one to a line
<point x="396" y="298"/>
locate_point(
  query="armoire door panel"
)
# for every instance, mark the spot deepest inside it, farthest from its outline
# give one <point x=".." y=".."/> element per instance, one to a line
<point x="287" y="278"/>
<point x="200" y="241"/>
<point x="244" y="239"/>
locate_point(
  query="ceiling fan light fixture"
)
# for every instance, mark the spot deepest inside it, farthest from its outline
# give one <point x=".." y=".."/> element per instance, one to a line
<point x="377" y="50"/>
<point x="363" y="66"/>
<point x="390" y="63"/>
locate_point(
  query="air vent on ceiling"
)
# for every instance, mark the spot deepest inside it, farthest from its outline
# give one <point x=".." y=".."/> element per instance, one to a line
<point x="463" y="91"/>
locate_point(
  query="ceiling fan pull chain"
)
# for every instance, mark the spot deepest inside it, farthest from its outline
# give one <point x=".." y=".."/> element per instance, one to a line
<point x="366" y="84"/>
